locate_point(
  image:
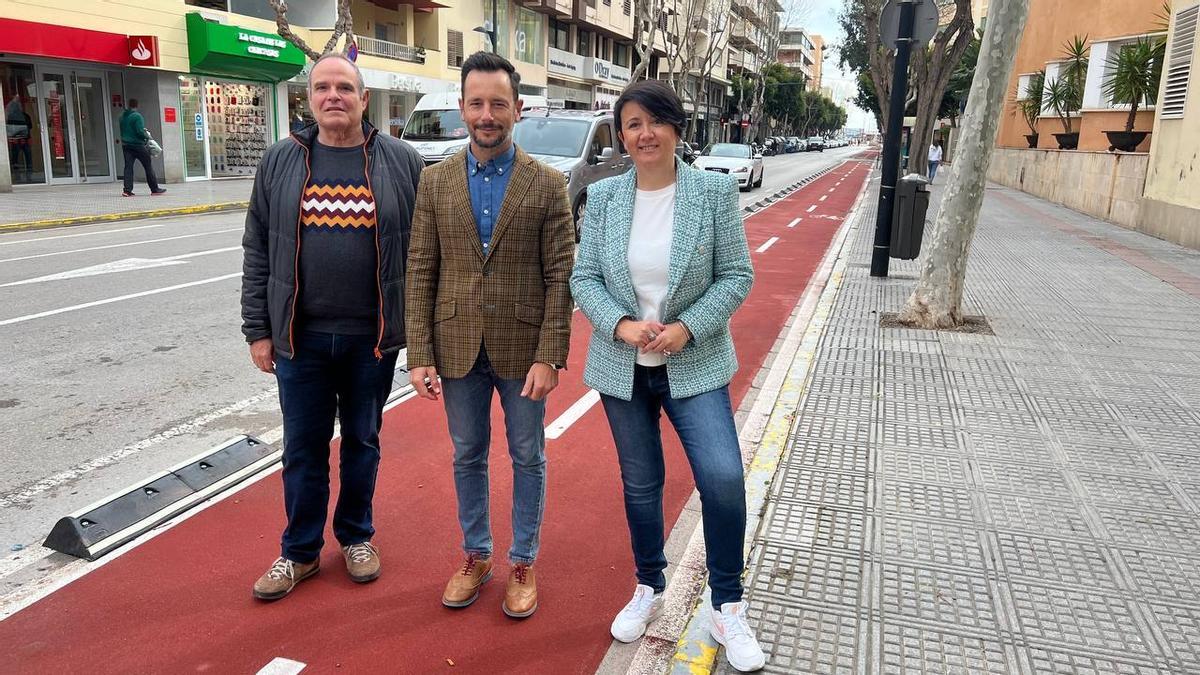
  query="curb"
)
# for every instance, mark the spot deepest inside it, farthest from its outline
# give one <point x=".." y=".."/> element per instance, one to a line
<point x="126" y="215"/>
<point x="696" y="651"/>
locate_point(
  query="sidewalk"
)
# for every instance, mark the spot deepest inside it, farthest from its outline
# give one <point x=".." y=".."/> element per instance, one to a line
<point x="1023" y="502"/>
<point x="27" y="208"/>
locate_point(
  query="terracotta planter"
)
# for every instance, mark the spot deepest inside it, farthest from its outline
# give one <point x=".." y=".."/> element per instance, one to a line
<point x="1031" y="139"/>
<point x="1067" y="141"/>
<point x="1125" y="141"/>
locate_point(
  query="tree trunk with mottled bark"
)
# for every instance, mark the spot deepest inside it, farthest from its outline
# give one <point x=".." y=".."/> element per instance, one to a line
<point x="936" y="302"/>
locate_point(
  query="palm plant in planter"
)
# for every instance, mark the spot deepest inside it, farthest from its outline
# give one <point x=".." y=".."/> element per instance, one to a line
<point x="1030" y="107"/>
<point x="1136" y="70"/>
<point x="1064" y="94"/>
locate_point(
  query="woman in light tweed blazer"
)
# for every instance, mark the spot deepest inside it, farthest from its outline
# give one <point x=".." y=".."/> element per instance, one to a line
<point x="662" y="266"/>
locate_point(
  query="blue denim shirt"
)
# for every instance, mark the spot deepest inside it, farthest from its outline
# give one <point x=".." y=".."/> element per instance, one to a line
<point x="487" y="183"/>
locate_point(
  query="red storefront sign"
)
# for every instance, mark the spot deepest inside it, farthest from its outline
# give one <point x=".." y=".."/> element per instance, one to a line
<point x="169" y="115"/>
<point x="143" y="50"/>
<point x="42" y="39"/>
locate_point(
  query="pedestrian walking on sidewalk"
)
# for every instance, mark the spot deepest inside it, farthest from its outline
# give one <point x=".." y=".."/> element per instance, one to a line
<point x="323" y="309"/>
<point x="135" y="147"/>
<point x="662" y="266"/>
<point x="489" y="308"/>
<point x="935" y="159"/>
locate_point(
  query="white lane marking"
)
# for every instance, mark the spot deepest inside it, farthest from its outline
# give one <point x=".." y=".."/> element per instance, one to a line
<point x="84" y="234"/>
<point x="74" y="472"/>
<point x="823" y="198"/>
<point x="794" y="223"/>
<point x="832" y="188"/>
<point x="812" y="208"/>
<point x="769" y="244"/>
<point x="106" y="301"/>
<point x="127" y="243"/>
<point x="124" y="265"/>
<point x="572" y="414"/>
<point x="281" y="666"/>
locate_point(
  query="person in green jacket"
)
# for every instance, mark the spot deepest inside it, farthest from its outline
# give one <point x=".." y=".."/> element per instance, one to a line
<point x="134" y="147"/>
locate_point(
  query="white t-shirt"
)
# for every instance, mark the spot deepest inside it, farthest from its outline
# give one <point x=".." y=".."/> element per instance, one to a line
<point x="650" y="256"/>
<point x="935" y="153"/>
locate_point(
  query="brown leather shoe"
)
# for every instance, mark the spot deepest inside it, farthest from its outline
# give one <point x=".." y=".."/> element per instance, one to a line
<point x="463" y="588"/>
<point x="283" y="577"/>
<point x="520" y="596"/>
<point x="362" y="562"/>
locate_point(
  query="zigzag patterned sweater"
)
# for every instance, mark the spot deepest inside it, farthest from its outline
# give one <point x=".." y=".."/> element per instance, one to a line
<point x="338" y="265"/>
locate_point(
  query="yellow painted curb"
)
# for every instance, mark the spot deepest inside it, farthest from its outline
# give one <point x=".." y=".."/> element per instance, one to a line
<point x="126" y="215"/>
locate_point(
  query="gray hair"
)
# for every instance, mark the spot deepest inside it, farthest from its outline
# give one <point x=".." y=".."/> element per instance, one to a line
<point x="362" y="85"/>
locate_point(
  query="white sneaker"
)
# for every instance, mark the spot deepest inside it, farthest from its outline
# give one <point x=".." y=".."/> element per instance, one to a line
<point x="644" y="607"/>
<point x="729" y="627"/>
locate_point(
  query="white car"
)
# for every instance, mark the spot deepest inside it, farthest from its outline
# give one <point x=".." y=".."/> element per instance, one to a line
<point x="735" y="159"/>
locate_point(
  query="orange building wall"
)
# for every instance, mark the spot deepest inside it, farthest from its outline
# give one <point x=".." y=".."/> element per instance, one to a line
<point x="1052" y="23"/>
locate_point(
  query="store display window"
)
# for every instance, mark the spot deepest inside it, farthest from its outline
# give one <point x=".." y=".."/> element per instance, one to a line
<point x="239" y="126"/>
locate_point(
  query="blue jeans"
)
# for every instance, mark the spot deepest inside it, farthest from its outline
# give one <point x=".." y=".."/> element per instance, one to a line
<point x="469" y="414"/>
<point x="933" y="167"/>
<point x="330" y="376"/>
<point x="705" y="426"/>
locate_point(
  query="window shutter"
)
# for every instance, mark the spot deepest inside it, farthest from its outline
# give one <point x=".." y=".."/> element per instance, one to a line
<point x="454" y="48"/>
<point x="1179" y="64"/>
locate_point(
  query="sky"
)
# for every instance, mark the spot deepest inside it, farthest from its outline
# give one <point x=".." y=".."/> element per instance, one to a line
<point x="820" y="17"/>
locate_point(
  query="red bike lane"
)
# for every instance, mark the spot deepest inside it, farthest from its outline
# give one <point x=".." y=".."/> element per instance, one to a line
<point x="181" y="601"/>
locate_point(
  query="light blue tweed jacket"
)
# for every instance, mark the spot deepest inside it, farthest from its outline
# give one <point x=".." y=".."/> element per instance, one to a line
<point x="709" y="277"/>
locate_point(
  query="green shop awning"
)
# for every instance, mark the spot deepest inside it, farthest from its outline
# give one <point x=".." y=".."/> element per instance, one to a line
<point x="232" y="51"/>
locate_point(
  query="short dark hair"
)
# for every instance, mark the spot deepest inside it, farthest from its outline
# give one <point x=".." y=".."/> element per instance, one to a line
<point x="658" y="99"/>
<point x="133" y="103"/>
<point x="491" y="63"/>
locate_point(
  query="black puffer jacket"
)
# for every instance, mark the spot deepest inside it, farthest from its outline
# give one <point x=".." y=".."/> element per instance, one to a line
<point x="271" y="243"/>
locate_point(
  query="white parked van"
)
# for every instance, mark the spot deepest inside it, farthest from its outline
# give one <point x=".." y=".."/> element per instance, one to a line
<point x="436" y="129"/>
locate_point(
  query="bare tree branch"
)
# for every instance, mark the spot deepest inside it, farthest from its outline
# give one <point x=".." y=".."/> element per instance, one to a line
<point x="646" y="12"/>
<point x="343" y="26"/>
<point x="285" y="30"/>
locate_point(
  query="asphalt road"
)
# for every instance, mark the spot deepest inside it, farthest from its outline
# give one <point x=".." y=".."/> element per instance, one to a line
<point x="124" y="358"/>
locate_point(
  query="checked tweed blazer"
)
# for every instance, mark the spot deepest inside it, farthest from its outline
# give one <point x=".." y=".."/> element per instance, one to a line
<point x="517" y="300"/>
<point x="709" y="276"/>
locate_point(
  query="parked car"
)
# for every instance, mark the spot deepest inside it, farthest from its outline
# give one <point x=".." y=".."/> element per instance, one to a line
<point x="581" y="143"/>
<point x="796" y="144"/>
<point x="436" y="129"/>
<point x="686" y="152"/>
<point x="816" y="143"/>
<point x="735" y="159"/>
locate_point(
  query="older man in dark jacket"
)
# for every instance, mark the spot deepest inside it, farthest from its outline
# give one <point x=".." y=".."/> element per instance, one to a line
<point x="326" y="238"/>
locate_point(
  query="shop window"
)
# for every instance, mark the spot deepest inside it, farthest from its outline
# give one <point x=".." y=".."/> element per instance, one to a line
<point x="299" y="112"/>
<point x="528" y="40"/>
<point x="584" y="44"/>
<point x="560" y="35"/>
<point x="454" y="49"/>
<point x="21" y="124"/>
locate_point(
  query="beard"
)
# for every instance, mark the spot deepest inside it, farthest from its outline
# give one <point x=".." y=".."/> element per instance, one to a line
<point x="489" y="144"/>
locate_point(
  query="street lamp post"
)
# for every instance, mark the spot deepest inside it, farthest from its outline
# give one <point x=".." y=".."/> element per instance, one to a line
<point x="880" y="256"/>
<point x="491" y="32"/>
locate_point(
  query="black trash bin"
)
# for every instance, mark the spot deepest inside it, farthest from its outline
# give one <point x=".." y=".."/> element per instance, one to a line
<point x="908" y="219"/>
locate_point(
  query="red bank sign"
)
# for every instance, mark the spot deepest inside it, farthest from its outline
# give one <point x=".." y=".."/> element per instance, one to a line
<point x="143" y="50"/>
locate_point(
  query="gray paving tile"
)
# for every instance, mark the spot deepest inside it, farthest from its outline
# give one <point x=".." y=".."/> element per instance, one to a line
<point x="806" y="640"/>
<point x="914" y="649"/>
<point x="1167" y="576"/>
<point x="915" y="465"/>
<point x="831" y="456"/>
<point x="1092" y="619"/>
<point x="1155" y="530"/>
<point x="1080" y="563"/>
<point x="1036" y="514"/>
<point x="926" y="501"/>
<point x="807" y="577"/>
<point x="1059" y="661"/>
<point x="1181" y="626"/>
<point x="828" y="488"/>
<point x="937" y="542"/>
<point x="815" y="525"/>
<point x="938" y="598"/>
<point x="1044" y="479"/>
<point x="1134" y="491"/>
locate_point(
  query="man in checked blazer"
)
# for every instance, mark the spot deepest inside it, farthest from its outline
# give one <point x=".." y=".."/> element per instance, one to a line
<point x="489" y="308"/>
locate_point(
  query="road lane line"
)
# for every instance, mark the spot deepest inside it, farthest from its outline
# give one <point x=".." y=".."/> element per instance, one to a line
<point x="106" y="301"/>
<point x="572" y="414"/>
<point x="83" y="234"/>
<point x="128" y="243"/>
<point x="812" y="208"/>
<point x="769" y="244"/>
<point x="794" y="223"/>
<point x="282" y="666"/>
<point x="823" y="198"/>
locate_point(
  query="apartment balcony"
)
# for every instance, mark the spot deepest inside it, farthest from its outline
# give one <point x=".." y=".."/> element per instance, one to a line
<point x="745" y="36"/>
<point x="390" y="50"/>
<point x="751" y="10"/>
<point x="555" y="8"/>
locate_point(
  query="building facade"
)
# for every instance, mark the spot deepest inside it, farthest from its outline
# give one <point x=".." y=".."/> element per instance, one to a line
<point x="802" y="52"/>
<point x="1107" y="26"/>
<point x="217" y="85"/>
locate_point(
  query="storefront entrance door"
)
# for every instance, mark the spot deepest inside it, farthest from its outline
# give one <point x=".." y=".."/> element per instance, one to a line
<point x="77" y="136"/>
